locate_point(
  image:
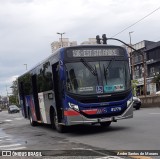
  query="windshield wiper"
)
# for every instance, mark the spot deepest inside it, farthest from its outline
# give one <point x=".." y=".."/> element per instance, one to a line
<point x="109" y="64"/>
<point x="106" y="69"/>
<point x="90" y="68"/>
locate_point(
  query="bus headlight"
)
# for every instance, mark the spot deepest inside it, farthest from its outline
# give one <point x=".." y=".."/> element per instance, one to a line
<point x="73" y="106"/>
<point x="129" y="102"/>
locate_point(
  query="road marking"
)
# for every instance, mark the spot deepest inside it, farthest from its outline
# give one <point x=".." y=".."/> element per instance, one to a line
<point x="18" y="118"/>
<point x="140" y="157"/>
<point x="10" y="145"/>
<point x="155" y="113"/>
<point x="110" y="157"/>
<point x="16" y="148"/>
<point x="8" y="139"/>
<point x="78" y="148"/>
<point x="3" y="137"/>
<point x="8" y="120"/>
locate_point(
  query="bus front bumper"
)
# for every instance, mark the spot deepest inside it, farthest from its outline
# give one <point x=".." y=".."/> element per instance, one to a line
<point x="80" y="119"/>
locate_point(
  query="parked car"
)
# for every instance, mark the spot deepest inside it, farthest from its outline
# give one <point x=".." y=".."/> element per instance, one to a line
<point x="136" y="103"/>
<point x="13" y="109"/>
<point x="158" y="93"/>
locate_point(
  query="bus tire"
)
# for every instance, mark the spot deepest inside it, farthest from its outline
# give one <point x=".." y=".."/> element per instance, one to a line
<point x="60" y="128"/>
<point x="33" y="123"/>
<point x="137" y="108"/>
<point x="52" y="118"/>
<point x="105" y="124"/>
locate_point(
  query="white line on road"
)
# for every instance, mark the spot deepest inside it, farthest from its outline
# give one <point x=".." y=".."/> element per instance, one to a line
<point x="78" y="148"/>
<point x="8" y="120"/>
<point x="155" y="113"/>
<point x="8" y="139"/>
<point x="10" y="145"/>
<point x="110" y="157"/>
<point x="16" y="148"/>
<point x="3" y="137"/>
<point x="18" y="118"/>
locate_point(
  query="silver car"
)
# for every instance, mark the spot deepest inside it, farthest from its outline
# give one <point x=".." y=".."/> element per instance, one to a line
<point x="13" y="109"/>
<point x="136" y="103"/>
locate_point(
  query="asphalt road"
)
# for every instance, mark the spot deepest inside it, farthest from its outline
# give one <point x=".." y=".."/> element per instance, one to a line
<point x="140" y="133"/>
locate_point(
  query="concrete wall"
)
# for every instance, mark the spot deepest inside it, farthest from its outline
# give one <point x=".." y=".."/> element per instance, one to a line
<point x="150" y="101"/>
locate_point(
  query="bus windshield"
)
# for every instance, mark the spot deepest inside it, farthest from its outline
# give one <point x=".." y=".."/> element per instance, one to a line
<point x="111" y="76"/>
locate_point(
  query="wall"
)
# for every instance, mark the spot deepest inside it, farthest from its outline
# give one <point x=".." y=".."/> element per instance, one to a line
<point x="150" y="101"/>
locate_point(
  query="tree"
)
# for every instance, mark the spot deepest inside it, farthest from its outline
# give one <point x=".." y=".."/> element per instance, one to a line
<point x="14" y="98"/>
<point x="134" y="87"/>
<point x="156" y="80"/>
<point x="15" y="88"/>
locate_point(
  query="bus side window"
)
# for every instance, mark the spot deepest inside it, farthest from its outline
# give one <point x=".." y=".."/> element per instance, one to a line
<point x="73" y="79"/>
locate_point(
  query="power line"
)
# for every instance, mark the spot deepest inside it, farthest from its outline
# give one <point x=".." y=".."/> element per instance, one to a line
<point x="137" y="22"/>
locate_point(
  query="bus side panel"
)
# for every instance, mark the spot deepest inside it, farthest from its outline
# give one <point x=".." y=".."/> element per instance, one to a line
<point x="30" y="106"/>
<point x="46" y="100"/>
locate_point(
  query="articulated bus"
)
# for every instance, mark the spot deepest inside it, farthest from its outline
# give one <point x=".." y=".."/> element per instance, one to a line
<point x="78" y="85"/>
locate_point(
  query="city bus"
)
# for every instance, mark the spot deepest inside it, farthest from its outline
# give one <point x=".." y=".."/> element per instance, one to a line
<point x="85" y="84"/>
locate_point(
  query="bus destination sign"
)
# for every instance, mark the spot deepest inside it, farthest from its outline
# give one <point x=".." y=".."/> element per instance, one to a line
<point x="94" y="52"/>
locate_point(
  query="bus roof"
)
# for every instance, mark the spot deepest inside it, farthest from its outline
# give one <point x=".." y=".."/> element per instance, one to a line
<point x="57" y="52"/>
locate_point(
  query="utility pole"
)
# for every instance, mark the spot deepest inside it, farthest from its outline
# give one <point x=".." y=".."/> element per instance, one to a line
<point x="7" y="96"/>
<point x="61" y="38"/>
<point x="131" y="55"/>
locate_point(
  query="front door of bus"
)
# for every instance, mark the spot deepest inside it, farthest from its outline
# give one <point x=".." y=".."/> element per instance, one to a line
<point x="57" y="90"/>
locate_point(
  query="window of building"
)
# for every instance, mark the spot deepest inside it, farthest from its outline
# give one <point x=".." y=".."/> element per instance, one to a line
<point x="152" y="70"/>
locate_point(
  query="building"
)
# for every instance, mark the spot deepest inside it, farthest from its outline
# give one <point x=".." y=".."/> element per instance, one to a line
<point x="91" y="41"/>
<point x="153" y="62"/>
<point x="136" y="64"/>
<point x="64" y="43"/>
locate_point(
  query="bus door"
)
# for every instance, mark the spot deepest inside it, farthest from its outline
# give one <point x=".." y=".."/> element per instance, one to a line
<point x="35" y="96"/>
<point x="57" y="90"/>
<point x="22" y="99"/>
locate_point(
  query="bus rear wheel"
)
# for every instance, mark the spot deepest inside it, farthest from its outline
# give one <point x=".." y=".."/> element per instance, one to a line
<point x="33" y="123"/>
<point x="60" y="128"/>
<point x="105" y="124"/>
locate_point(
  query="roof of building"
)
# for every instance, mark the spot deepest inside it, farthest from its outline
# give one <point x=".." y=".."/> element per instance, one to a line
<point x="152" y="46"/>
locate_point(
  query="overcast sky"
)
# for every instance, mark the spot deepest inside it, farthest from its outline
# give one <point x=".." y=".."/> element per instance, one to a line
<point x="27" y="27"/>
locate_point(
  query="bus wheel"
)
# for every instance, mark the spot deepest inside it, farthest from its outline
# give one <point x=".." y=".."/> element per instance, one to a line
<point x="59" y="128"/>
<point x="105" y="124"/>
<point x="33" y="123"/>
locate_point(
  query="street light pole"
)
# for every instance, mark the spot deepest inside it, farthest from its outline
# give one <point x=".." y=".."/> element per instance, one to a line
<point x="61" y="38"/>
<point x="26" y="66"/>
<point x="131" y="55"/>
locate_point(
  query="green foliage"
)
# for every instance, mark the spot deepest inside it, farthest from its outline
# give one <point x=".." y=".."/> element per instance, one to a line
<point x="156" y="79"/>
<point x="13" y="99"/>
<point x="134" y="87"/>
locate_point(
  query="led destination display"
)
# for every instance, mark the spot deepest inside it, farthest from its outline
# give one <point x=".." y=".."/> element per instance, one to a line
<point x="94" y="52"/>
